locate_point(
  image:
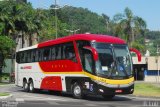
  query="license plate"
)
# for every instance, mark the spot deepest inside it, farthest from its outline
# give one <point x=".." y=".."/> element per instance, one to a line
<point x="118" y="91"/>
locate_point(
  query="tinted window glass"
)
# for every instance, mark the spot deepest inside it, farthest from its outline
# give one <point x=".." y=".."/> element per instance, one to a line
<point x="46" y="54"/>
<point x="68" y="52"/>
<point x="33" y="56"/>
<point x="37" y="54"/>
<point x="22" y="57"/>
<point x="53" y="53"/>
<point x="40" y="54"/>
<point x="29" y="56"/>
<point x="86" y="56"/>
<point x="58" y="52"/>
<point x="18" y="57"/>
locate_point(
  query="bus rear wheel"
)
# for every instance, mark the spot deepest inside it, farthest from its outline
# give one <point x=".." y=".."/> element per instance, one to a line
<point x="77" y="91"/>
<point x="31" y="87"/>
<point x="25" y="86"/>
<point x="108" y="97"/>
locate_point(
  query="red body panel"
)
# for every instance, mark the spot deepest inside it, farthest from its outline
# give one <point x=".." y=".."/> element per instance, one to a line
<point x="90" y="37"/>
<point x="52" y="83"/>
<point x="65" y="65"/>
<point x="60" y="66"/>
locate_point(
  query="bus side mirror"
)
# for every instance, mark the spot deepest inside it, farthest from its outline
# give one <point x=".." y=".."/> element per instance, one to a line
<point x="137" y="53"/>
<point x="93" y="50"/>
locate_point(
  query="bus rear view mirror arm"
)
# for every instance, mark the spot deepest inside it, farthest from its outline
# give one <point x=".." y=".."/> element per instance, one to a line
<point x="137" y="53"/>
<point x="93" y="50"/>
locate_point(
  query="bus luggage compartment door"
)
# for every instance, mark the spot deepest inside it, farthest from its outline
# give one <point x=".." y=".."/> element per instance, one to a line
<point x="52" y="83"/>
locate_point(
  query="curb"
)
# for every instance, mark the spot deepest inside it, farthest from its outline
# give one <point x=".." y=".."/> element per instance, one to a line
<point x="5" y="97"/>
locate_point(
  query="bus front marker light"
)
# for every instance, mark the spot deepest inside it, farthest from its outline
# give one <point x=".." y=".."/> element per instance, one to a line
<point x="101" y="90"/>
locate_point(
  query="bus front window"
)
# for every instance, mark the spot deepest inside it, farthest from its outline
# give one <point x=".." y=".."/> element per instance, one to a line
<point x="106" y="62"/>
<point x="123" y="59"/>
<point x="114" y="61"/>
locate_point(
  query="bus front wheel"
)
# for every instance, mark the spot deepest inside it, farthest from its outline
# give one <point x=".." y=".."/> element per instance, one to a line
<point x="77" y="91"/>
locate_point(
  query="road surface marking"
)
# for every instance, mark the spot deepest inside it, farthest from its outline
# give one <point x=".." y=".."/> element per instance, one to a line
<point x="90" y="105"/>
<point x="42" y="98"/>
<point x="19" y="99"/>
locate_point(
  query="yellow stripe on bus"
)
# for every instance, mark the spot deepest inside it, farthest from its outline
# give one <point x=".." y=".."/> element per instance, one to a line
<point x="96" y="78"/>
<point x="109" y="81"/>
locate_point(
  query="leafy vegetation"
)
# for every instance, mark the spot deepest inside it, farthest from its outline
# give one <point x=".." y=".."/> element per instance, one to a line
<point x="154" y="40"/>
<point x="4" y="94"/>
<point x="19" y="21"/>
<point x="83" y="19"/>
<point x="6" y="47"/>
<point x="129" y="26"/>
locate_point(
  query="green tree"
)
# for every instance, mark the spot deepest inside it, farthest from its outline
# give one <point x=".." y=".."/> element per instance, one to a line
<point x="6" y="46"/>
<point x="83" y="19"/>
<point x="129" y="26"/>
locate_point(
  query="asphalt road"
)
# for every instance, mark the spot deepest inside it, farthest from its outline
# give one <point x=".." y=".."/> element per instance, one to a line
<point x="46" y="99"/>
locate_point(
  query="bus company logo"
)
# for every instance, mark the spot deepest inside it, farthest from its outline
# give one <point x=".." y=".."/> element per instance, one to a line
<point x="26" y="67"/>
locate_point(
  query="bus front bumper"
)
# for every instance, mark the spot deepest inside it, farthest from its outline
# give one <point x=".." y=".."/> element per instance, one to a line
<point x="101" y="89"/>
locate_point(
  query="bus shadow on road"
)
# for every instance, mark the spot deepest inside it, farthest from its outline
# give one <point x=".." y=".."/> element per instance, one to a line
<point x="99" y="98"/>
<point x="88" y="97"/>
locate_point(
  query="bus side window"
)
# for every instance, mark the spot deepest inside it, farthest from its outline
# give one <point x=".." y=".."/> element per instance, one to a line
<point x="40" y="51"/>
<point x="21" y="57"/>
<point x="69" y="52"/>
<point x="58" y="52"/>
<point x="53" y="53"/>
<point x="87" y="61"/>
<point x="36" y="58"/>
<point x="33" y="56"/>
<point x="29" y="56"/>
<point x="46" y="54"/>
<point x="18" y="57"/>
<point x="86" y="56"/>
<point x="25" y="57"/>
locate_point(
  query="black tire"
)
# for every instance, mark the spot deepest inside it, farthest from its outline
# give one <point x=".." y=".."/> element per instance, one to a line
<point x="25" y="86"/>
<point x="31" y="87"/>
<point x="77" y="91"/>
<point x="108" y="97"/>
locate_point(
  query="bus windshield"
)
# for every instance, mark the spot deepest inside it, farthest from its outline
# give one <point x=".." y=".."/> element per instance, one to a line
<point x="114" y="61"/>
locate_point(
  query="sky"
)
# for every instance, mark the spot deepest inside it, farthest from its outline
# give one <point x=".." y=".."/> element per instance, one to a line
<point x="149" y="10"/>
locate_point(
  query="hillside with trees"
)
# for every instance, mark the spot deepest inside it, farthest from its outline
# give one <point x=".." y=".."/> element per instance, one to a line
<point x="19" y="21"/>
<point x="153" y="38"/>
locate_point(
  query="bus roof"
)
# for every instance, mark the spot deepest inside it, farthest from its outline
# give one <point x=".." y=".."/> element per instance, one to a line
<point x="89" y="37"/>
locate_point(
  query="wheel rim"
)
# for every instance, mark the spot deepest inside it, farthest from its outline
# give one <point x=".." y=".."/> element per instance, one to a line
<point x="31" y="86"/>
<point x="77" y="90"/>
<point x="25" y="85"/>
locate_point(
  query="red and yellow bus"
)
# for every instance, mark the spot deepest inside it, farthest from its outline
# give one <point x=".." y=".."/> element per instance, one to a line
<point x="80" y="64"/>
